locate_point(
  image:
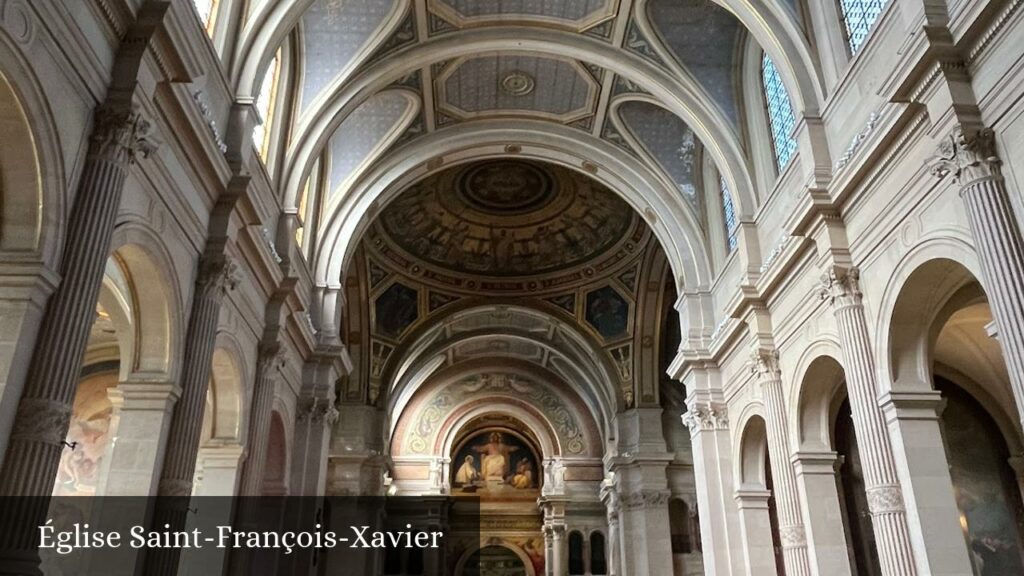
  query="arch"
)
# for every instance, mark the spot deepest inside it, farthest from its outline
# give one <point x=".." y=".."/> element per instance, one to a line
<point x="275" y="474"/>
<point x="821" y="378"/>
<point x="907" y="342"/>
<point x="156" y="301"/>
<point x="32" y="174"/>
<point x="752" y="451"/>
<point x="224" y="419"/>
<point x="497" y="542"/>
<point x="675" y="227"/>
<point x="676" y="94"/>
<point x="414" y="362"/>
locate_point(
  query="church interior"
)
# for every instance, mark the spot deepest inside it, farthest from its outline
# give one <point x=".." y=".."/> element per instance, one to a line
<point x="668" y="287"/>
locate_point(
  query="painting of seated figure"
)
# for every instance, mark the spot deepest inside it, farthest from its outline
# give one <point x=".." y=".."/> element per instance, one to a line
<point x="494" y="462"/>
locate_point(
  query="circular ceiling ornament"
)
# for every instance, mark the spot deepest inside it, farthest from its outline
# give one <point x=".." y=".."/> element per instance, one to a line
<point x="518" y="83"/>
<point x="506" y="218"/>
<point x="506" y="188"/>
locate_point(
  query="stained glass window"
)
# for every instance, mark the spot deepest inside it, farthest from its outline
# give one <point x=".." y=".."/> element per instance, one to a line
<point x="780" y="112"/>
<point x="265" y="106"/>
<point x="730" y="215"/>
<point x="859" y="16"/>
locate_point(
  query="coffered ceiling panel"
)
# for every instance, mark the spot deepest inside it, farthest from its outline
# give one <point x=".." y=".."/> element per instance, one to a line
<point x="507" y="84"/>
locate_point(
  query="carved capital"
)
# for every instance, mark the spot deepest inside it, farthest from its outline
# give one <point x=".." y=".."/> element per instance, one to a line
<point x="218" y="275"/>
<point x="841" y="286"/>
<point x="120" y="135"/>
<point x="885" y="500"/>
<point x="968" y="155"/>
<point x="764" y="363"/>
<point x="317" y="411"/>
<point x="271" y="357"/>
<point x="702" y="416"/>
<point x="42" y="420"/>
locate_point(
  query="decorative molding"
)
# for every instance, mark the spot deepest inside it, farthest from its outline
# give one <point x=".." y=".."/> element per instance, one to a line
<point x="645" y="499"/>
<point x="793" y="536"/>
<point x="777" y="251"/>
<point x="885" y="500"/>
<point x="204" y="109"/>
<point x="858" y="141"/>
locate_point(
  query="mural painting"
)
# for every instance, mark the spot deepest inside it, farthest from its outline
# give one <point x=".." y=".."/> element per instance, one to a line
<point x="494" y="463"/>
<point x="608" y="312"/>
<point x="396" y="309"/>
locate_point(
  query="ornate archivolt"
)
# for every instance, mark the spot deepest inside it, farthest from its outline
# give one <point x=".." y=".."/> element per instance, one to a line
<point x="665" y="210"/>
<point x="559" y="421"/>
<point x="533" y="339"/>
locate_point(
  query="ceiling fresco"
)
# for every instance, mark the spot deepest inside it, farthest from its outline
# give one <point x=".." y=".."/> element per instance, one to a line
<point x="506" y="218"/>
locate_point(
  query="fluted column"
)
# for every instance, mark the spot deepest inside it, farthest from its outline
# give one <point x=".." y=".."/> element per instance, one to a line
<point x="268" y="366"/>
<point x="787" y="497"/>
<point x="969" y="156"/>
<point x="610" y="497"/>
<point x="218" y="274"/>
<point x="885" y="497"/>
<point x="44" y="411"/>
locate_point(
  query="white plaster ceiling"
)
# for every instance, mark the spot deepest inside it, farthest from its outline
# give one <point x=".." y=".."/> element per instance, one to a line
<point x="576" y="14"/>
<point x="511" y="84"/>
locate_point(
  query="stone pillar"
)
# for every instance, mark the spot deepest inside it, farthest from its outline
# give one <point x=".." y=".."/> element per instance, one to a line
<point x="885" y="497"/>
<point x="556" y="559"/>
<point x="756" y="531"/>
<point x="644" y="518"/>
<point x="816" y="479"/>
<point x="217" y="275"/>
<point x="44" y="411"/>
<point x="250" y="487"/>
<point x="920" y="451"/>
<point x="43" y="415"/>
<point x="140" y="421"/>
<point x="610" y="497"/>
<point x="708" y="422"/>
<point x="969" y="156"/>
<point x="268" y="366"/>
<point x="787" y="499"/>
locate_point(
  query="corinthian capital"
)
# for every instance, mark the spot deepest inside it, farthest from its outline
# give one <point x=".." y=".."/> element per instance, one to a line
<point x="121" y="135"/>
<point x="217" y="276"/>
<point x="270" y="357"/>
<point x="841" y="286"/>
<point x="967" y="155"/>
<point x="764" y="363"/>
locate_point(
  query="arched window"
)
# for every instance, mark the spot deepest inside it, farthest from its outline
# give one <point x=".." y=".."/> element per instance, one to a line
<point x="729" y="213"/>
<point x="858" y="18"/>
<point x="576" y="567"/>
<point x="598" y="561"/>
<point x="207" y="10"/>
<point x="780" y="112"/>
<point x="265" y="104"/>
